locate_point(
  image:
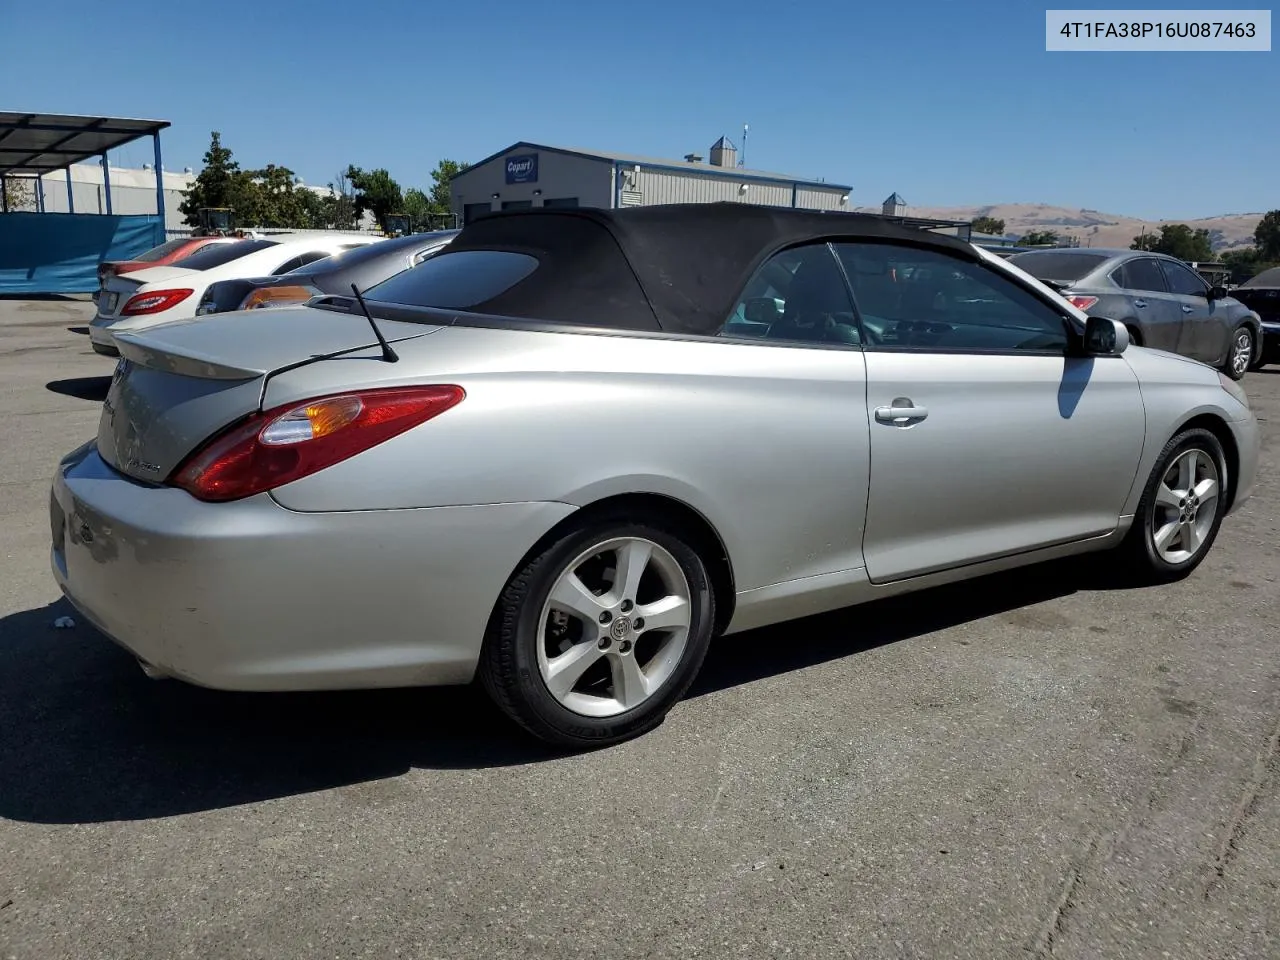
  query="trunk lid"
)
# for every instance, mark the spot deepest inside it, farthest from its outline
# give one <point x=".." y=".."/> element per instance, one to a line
<point x="115" y="293"/>
<point x="178" y="384"/>
<point x="158" y="275"/>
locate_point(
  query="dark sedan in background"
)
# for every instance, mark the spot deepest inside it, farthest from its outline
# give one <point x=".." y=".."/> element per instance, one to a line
<point x="1262" y="295"/>
<point x="365" y="266"/>
<point x="1164" y="303"/>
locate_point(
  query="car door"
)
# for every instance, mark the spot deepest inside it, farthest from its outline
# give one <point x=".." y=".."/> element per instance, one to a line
<point x="1160" y="321"/>
<point x="987" y="437"/>
<point x="1204" y="333"/>
<point x="804" y="367"/>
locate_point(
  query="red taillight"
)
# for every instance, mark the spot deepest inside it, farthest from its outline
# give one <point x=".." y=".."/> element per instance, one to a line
<point x="144" y="303"/>
<point x="290" y="442"/>
<point x="1081" y="303"/>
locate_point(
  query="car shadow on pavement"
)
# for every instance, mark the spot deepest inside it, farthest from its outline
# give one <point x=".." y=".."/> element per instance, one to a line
<point x="82" y="388"/>
<point x="85" y="737"/>
<point x="83" y="331"/>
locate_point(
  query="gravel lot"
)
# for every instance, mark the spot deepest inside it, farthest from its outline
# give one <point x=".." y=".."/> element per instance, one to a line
<point x="1031" y="765"/>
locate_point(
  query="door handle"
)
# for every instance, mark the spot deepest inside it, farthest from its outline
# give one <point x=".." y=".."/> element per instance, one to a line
<point x="1139" y="303"/>
<point x="903" y="413"/>
<point x="1185" y="308"/>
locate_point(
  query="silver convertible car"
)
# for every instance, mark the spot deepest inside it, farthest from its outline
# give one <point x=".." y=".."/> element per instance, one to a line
<point x="562" y="455"/>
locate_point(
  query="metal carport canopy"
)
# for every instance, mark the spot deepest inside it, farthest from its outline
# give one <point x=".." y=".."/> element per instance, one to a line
<point x="32" y="144"/>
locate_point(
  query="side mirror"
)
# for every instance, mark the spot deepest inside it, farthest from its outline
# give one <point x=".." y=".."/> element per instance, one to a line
<point x="1218" y="293"/>
<point x="761" y="310"/>
<point x="1105" y="338"/>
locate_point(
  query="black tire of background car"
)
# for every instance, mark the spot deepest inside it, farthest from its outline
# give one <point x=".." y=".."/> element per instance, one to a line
<point x="1231" y="350"/>
<point x="508" y="662"/>
<point x="1139" y="562"/>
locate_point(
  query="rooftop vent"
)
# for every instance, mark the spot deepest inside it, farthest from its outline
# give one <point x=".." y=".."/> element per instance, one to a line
<point x="724" y="153"/>
<point x="693" y="157"/>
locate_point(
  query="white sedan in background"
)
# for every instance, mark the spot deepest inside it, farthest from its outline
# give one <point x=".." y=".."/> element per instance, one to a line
<point x="146" y="298"/>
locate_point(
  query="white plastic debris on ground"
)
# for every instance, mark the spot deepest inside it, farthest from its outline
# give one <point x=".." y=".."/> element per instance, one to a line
<point x="64" y="623"/>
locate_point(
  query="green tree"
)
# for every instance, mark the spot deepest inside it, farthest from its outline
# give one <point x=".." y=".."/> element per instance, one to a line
<point x="337" y="211"/>
<point x="446" y="170"/>
<point x="1145" y="241"/>
<point x="418" y="207"/>
<point x="279" y="203"/>
<point x="315" y="209"/>
<point x="1177" y="240"/>
<point x="1040" y="238"/>
<point x="220" y="183"/>
<point x="1247" y="262"/>
<point x="376" y="193"/>
<point x="18" y="194"/>
<point x="988" y="225"/>
<point x="1267" y="235"/>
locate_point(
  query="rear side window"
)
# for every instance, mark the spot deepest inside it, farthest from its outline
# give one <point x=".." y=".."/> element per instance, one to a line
<point x="1054" y="265"/>
<point x="1140" y="274"/>
<point x="216" y="254"/>
<point x="456" y="281"/>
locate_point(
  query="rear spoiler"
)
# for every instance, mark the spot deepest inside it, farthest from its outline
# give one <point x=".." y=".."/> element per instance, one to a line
<point x="145" y="353"/>
<point x="106" y="268"/>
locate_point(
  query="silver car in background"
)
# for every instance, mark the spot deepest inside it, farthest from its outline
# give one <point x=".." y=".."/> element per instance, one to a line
<point x="1162" y="301"/>
<point x="565" y="452"/>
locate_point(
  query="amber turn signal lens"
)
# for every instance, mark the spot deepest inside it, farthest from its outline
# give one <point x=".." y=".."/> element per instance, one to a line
<point x="277" y="297"/>
<point x="315" y="420"/>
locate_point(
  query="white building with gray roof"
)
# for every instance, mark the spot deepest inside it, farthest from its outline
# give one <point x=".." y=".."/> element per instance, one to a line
<point x="527" y="175"/>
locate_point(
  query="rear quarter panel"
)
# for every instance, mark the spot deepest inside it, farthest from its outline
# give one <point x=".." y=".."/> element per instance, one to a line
<point x="768" y="443"/>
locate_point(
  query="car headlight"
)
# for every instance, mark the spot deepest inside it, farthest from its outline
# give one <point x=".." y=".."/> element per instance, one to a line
<point x="1233" y="388"/>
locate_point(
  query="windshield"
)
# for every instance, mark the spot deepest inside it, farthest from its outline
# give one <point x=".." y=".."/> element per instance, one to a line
<point x="216" y="254"/>
<point x="1058" y="265"/>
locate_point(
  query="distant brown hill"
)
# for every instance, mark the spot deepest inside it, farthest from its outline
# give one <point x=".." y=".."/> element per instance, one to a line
<point x="1092" y="227"/>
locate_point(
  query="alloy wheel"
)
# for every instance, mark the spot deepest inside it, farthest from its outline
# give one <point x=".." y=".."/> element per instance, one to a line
<point x="1186" y="506"/>
<point x="614" y="627"/>
<point x="1241" y="352"/>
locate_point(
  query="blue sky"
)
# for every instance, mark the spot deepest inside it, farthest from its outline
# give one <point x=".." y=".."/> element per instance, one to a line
<point x="948" y="102"/>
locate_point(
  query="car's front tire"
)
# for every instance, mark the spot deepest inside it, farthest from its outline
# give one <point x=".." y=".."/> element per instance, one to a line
<point x="595" y="638"/>
<point x="1181" y="510"/>
<point x="1240" y="352"/>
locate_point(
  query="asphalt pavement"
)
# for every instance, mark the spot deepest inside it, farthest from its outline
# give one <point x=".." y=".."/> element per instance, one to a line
<point x="1030" y="765"/>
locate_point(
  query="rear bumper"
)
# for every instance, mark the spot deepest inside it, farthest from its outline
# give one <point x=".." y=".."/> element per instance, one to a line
<point x="100" y="334"/>
<point x="251" y="596"/>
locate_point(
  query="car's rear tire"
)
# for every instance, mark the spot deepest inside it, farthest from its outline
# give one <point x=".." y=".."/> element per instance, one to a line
<point x="569" y="654"/>
<point x="1171" y="531"/>
<point x="1240" y="352"/>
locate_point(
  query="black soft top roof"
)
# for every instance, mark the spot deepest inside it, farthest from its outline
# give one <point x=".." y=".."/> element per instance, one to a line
<point x="676" y="268"/>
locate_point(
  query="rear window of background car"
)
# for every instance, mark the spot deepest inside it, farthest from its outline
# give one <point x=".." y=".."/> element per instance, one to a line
<point x="216" y="254"/>
<point x="456" y="281"/>
<point x="1052" y="265"/>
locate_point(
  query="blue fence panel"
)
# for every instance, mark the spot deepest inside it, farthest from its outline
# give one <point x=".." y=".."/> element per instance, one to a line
<point x="60" y="252"/>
